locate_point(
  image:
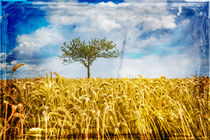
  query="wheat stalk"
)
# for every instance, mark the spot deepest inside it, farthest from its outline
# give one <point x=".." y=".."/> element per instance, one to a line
<point x="16" y="67"/>
<point x="154" y="108"/>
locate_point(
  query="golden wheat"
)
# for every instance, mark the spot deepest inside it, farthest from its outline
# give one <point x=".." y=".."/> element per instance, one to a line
<point x="105" y="108"/>
<point x="17" y="66"/>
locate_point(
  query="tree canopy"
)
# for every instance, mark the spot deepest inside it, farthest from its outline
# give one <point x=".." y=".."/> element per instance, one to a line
<point x="87" y="52"/>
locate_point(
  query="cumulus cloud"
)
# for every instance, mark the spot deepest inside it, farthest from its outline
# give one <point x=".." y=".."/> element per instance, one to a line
<point x="32" y="43"/>
<point x="174" y="66"/>
<point x="118" y="22"/>
<point x="109" y="16"/>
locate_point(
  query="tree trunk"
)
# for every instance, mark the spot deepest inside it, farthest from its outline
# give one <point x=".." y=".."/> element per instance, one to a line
<point x="88" y="71"/>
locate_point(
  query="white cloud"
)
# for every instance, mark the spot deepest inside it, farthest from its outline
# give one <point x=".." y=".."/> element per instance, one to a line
<point x="30" y="43"/>
<point x="162" y="22"/>
<point x="107" y="4"/>
<point x="100" y="68"/>
<point x="197" y="0"/>
<point x="106" y="17"/>
<point x="117" y="22"/>
<point x="138" y="46"/>
<point x="102" y="23"/>
<point x="145" y="1"/>
<point x="3" y="65"/>
<point x="174" y="66"/>
<point x="152" y="66"/>
<point x="158" y="1"/>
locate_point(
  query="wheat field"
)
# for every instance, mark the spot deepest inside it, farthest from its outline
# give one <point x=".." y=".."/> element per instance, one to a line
<point x="138" y="108"/>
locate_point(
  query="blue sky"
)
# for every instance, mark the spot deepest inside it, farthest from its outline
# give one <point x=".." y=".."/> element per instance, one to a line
<point x="159" y="38"/>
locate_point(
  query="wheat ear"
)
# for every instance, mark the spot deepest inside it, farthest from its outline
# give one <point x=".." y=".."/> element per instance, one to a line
<point x="16" y="67"/>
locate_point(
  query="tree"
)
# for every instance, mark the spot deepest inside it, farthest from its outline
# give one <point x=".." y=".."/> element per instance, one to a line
<point x="87" y="52"/>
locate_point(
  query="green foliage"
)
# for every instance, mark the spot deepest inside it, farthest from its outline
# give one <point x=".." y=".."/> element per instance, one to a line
<point x="88" y="52"/>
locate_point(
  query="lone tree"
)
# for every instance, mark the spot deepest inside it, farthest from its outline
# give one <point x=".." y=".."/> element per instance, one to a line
<point x="87" y="52"/>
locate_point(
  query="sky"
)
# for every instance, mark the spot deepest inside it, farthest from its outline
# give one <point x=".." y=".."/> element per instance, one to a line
<point x="155" y="38"/>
